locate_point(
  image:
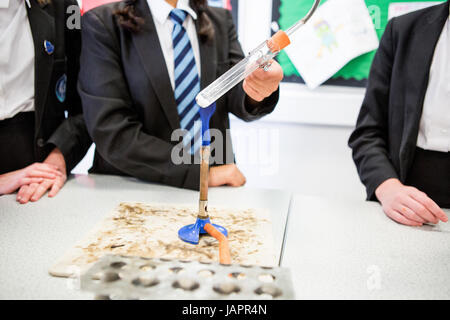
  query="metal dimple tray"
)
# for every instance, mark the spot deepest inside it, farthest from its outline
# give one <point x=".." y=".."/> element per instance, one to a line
<point x="122" y="277"/>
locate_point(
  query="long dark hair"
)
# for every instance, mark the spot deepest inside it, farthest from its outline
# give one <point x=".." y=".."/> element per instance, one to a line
<point x="131" y="21"/>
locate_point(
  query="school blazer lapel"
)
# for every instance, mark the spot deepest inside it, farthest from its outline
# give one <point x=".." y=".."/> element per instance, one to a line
<point x="42" y="28"/>
<point x="148" y="46"/>
<point x="149" y="49"/>
<point x="208" y="57"/>
<point x="428" y="34"/>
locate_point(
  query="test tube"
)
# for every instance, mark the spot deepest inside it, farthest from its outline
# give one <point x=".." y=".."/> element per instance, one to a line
<point x="259" y="57"/>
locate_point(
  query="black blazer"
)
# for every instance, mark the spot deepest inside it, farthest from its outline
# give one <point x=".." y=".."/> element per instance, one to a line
<point x="128" y="101"/>
<point x="52" y="127"/>
<point x="384" y="141"/>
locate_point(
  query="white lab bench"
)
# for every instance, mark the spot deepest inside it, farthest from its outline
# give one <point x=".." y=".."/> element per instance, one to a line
<point x="35" y="235"/>
<point x="340" y="249"/>
<point x="335" y="248"/>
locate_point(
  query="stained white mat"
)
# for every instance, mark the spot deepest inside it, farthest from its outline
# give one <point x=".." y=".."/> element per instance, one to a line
<point x="151" y="230"/>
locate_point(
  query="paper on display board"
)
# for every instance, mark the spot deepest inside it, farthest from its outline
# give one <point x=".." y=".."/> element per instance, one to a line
<point x="338" y="32"/>
<point x="220" y="3"/>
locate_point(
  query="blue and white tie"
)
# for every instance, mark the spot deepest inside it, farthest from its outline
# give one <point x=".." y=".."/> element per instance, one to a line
<point x="187" y="81"/>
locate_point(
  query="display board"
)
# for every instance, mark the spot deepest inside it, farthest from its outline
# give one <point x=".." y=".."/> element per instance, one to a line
<point x="356" y="72"/>
<point x="228" y="4"/>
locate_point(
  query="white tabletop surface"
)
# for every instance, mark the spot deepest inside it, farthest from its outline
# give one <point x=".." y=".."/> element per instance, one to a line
<point x="340" y="249"/>
<point x="35" y="235"/>
<point x="336" y="249"/>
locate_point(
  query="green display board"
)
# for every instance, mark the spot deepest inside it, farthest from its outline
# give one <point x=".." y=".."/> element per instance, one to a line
<point x="355" y="73"/>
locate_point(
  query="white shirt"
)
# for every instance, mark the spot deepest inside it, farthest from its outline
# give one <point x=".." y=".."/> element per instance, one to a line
<point x="160" y="10"/>
<point x="16" y="60"/>
<point x="434" y="132"/>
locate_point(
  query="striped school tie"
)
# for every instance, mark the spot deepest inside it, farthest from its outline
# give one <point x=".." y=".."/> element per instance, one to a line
<point x="187" y="81"/>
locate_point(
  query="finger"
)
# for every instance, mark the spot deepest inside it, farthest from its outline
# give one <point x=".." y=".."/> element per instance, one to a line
<point x="28" y="192"/>
<point x="428" y="203"/>
<point x="408" y="213"/>
<point x="398" y="217"/>
<point x="265" y="88"/>
<point x="36" y="173"/>
<point x="258" y="78"/>
<point x="235" y="182"/>
<point x="265" y="72"/>
<point x="273" y="74"/>
<point x="41" y="189"/>
<point x="56" y="187"/>
<point x="251" y="92"/>
<point x="44" y="167"/>
<point x="242" y="179"/>
<point x="21" y="192"/>
<point x="420" y="210"/>
<point x="237" y="179"/>
<point x="25" y="181"/>
<point x="260" y="74"/>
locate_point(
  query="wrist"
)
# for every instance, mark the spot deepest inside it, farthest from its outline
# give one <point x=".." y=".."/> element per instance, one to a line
<point x="57" y="158"/>
<point x="251" y="105"/>
<point x="386" y="187"/>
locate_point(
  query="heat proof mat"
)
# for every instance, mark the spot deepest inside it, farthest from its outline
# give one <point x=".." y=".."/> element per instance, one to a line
<point x="124" y="278"/>
<point x="151" y="231"/>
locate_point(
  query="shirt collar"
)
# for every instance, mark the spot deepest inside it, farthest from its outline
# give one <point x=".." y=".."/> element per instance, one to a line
<point x="161" y="9"/>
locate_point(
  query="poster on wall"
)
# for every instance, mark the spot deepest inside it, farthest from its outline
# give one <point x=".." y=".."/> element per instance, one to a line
<point x="227" y="4"/>
<point x="355" y="72"/>
<point x="338" y="32"/>
<point x="220" y="3"/>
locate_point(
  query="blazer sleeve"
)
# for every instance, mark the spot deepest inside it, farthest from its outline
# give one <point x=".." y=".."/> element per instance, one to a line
<point x="237" y="98"/>
<point x="111" y="119"/>
<point x="72" y="137"/>
<point x="369" y="141"/>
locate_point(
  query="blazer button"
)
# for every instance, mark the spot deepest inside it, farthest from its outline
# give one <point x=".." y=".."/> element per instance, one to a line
<point x="40" y="142"/>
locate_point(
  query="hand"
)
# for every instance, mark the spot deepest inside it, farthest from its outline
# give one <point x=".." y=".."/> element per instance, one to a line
<point x="35" y="173"/>
<point x="261" y="84"/>
<point x="407" y="205"/>
<point x="34" y="191"/>
<point x="228" y="174"/>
